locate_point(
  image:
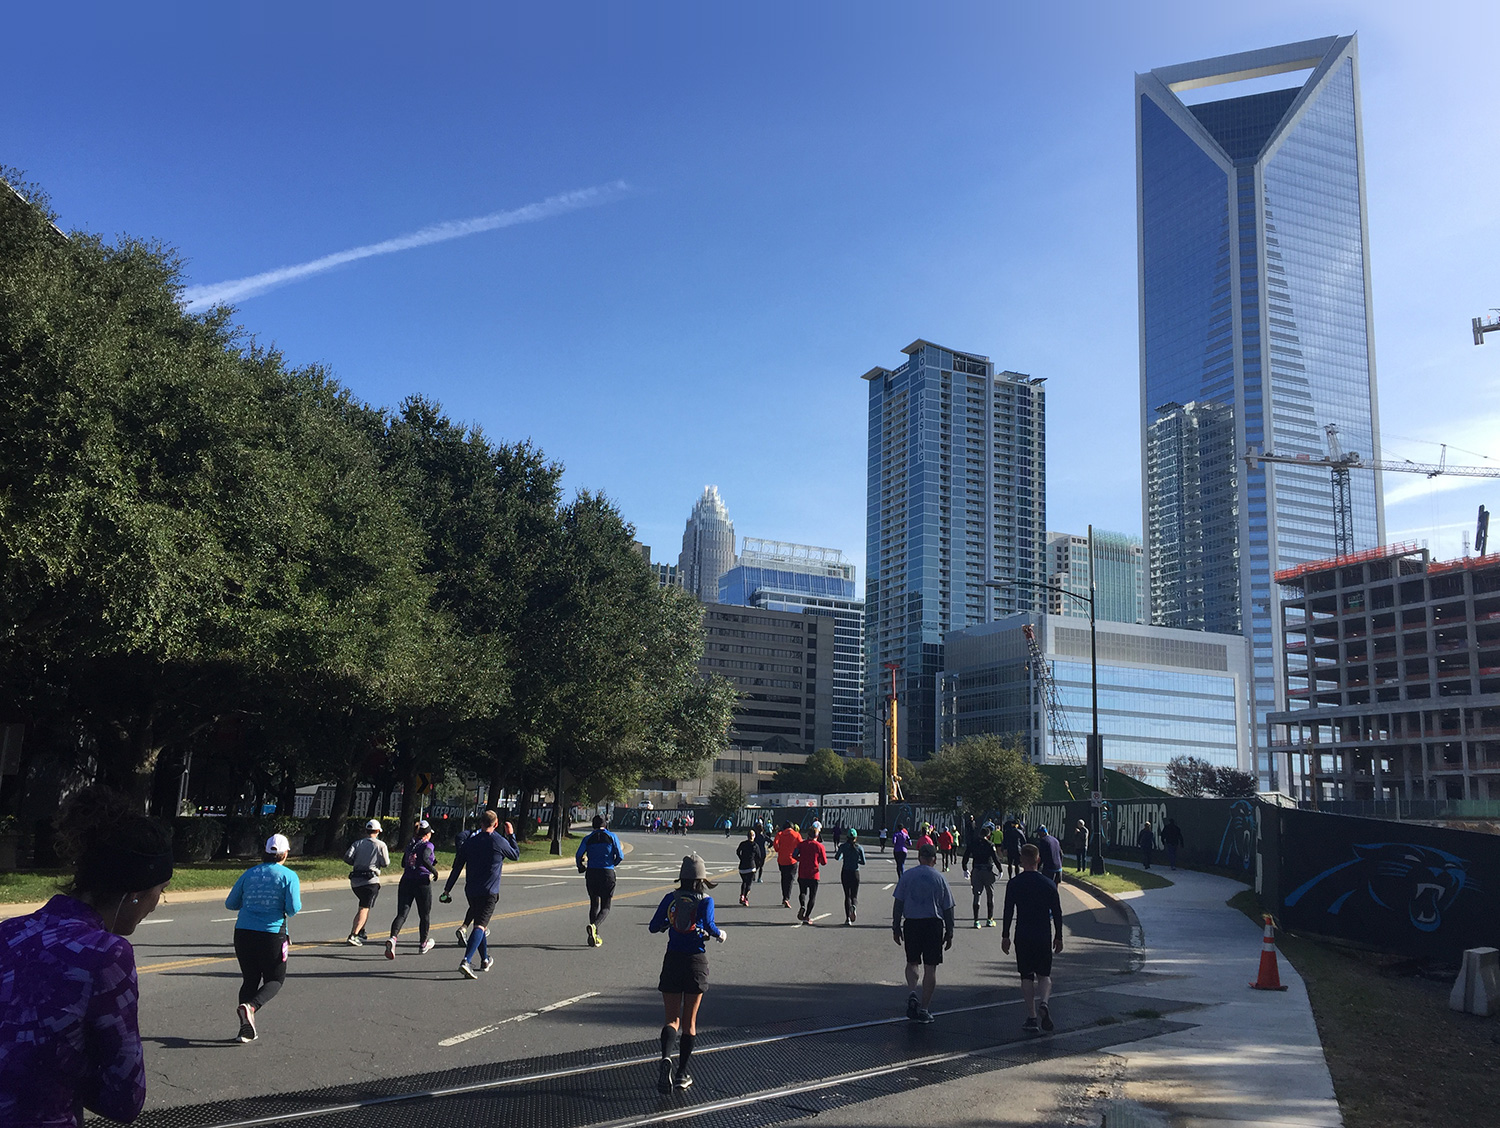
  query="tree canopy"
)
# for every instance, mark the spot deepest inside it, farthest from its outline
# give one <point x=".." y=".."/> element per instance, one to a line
<point x="210" y="556"/>
<point x="982" y="775"/>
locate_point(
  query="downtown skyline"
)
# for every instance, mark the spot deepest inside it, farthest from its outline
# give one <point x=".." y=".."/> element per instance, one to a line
<point x="748" y="250"/>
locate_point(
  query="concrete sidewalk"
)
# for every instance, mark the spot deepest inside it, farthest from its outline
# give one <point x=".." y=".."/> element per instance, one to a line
<point x="1251" y="1056"/>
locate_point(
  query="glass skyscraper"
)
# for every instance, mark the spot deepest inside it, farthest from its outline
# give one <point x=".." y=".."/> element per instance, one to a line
<point x="1119" y="582"/>
<point x="956" y="496"/>
<point x="1255" y="330"/>
<point x="707" y="547"/>
<point x="814" y="581"/>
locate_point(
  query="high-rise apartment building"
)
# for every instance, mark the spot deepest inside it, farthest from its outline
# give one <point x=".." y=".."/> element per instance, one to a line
<point x="707" y="547"/>
<point x="816" y="581"/>
<point x="1254" y="274"/>
<point x="1119" y="576"/>
<point x="956" y="496"/>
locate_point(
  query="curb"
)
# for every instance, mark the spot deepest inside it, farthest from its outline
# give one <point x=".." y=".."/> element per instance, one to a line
<point x="320" y="885"/>
<point x="1137" y="934"/>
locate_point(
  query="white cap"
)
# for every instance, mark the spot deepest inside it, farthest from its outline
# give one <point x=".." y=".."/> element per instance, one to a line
<point x="373" y="824"/>
<point x="277" y="844"/>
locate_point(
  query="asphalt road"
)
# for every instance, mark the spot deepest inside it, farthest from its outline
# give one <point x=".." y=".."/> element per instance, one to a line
<point x="787" y="1006"/>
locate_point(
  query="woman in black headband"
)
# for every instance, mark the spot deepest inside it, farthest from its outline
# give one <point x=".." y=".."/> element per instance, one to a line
<point x="68" y="1034"/>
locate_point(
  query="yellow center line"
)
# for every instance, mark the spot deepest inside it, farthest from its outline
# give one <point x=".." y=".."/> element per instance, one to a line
<point x="204" y="961"/>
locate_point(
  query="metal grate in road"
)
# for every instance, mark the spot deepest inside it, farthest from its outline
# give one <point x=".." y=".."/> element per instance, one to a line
<point x="744" y="1078"/>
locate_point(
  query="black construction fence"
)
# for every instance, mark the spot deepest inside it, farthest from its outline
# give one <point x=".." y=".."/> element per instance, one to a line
<point x="1216" y="833"/>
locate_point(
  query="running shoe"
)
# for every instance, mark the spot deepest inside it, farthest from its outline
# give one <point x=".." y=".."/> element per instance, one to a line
<point x="977" y="924"/>
<point x="785" y="904"/>
<point x="664" y="1076"/>
<point x="924" y="1016"/>
<point x="744" y="900"/>
<point x="683" y="1080"/>
<point x="853" y="915"/>
<point x="390" y="948"/>
<point x="913" y="1005"/>
<point x="990" y="923"/>
<point x="363" y="935"/>
<point x="247" y="1022"/>
<point x="848" y="923"/>
<point x="466" y="971"/>
<point x="489" y="962"/>
<point x="354" y="941"/>
<point x="591" y="934"/>
<point x="427" y="946"/>
<point x="1046" y="1014"/>
<point x="463" y="937"/>
<point x="1030" y="1026"/>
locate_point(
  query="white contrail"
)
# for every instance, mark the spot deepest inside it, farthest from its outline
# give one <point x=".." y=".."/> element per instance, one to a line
<point x="217" y="293"/>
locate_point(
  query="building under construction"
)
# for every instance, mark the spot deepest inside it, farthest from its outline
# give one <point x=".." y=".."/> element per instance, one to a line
<point x="1163" y="692"/>
<point x="1392" y="677"/>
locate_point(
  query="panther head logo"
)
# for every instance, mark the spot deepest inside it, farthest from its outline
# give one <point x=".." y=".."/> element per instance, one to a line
<point x="1417" y="880"/>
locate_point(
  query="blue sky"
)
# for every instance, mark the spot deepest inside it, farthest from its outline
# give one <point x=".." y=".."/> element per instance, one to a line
<point x="806" y="189"/>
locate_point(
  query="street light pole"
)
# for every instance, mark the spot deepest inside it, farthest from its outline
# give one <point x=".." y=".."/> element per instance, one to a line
<point x="1095" y="749"/>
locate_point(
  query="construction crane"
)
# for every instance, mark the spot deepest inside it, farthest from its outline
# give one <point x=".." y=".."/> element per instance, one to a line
<point x="893" y="774"/>
<point x="1483" y="325"/>
<point x="1064" y="743"/>
<point x="1340" y="462"/>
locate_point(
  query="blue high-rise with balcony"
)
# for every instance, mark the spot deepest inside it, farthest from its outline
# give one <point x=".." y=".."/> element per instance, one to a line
<point x="1255" y="330"/>
<point x="956" y="496"/>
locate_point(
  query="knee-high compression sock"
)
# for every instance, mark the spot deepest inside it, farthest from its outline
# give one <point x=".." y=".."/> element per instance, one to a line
<point x="668" y="1040"/>
<point x="686" y="1052"/>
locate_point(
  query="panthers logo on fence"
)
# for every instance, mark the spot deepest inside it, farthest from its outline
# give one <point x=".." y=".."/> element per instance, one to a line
<point x="1417" y="883"/>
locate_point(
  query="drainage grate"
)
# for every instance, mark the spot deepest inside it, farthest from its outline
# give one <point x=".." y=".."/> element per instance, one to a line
<point x="744" y="1078"/>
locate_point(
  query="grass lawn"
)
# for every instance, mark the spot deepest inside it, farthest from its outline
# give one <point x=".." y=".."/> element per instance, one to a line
<point x="38" y="885"/>
<point x="1399" y="1057"/>
<point x="1121" y="879"/>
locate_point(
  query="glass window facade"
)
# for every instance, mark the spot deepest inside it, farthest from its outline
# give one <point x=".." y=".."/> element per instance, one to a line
<point x="956" y="496"/>
<point x="1255" y="331"/>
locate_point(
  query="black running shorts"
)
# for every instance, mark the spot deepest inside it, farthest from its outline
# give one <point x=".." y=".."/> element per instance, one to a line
<point x="683" y="973"/>
<point x="481" y="906"/>
<point x="924" y="941"/>
<point x="1033" y="957"/>
<point x="366" y="894"/>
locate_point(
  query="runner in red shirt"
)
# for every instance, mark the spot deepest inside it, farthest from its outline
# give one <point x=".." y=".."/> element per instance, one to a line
<point x="945" y="844"/>
<point x="811" y="857"/>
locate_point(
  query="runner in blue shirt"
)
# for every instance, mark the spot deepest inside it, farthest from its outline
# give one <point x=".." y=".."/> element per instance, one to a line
<point x="686" y="915"/>
<point x="266" y="897"/>
<point x="598" y="855"/>
<point x="483" y="855"/>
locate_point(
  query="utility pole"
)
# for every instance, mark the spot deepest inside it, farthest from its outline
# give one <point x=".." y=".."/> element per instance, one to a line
<point x="893" y="771"/>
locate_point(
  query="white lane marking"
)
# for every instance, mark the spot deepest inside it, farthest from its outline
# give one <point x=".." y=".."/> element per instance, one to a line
<point x="221" y="920"/>
<point x="820" y="916"/>
<point x="892" y="885"/>
<point x="555" y="1074"/>
<point x="492" y="1027"/>
<point x="309" y="912"/>
<point x="544" y="885"/>
<point x="169" y="920"/>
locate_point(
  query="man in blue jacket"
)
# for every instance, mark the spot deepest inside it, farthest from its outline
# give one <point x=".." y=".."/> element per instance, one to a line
<point x="483" y="855"/>
<point x="597" y="856"/>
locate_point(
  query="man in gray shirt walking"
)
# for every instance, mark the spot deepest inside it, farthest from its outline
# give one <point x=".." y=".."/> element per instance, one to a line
<point x="923" y="898"/>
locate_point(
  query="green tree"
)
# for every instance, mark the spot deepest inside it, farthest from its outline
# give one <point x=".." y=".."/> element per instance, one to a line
<point x="1190" y="776"/>
<point x="983" y="775"/>
<point x="863" y="775"/>
<point x="725" y="799"/>
<point x="1231" y="783"/>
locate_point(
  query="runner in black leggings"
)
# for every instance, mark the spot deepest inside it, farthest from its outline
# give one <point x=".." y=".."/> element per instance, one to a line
<point x="418" y="872"/>
<point x="265" y="896"/>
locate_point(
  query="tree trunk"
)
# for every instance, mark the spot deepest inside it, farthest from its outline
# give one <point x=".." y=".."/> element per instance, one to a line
<point x="343" y="796"/>
<point x="409" y="801"/>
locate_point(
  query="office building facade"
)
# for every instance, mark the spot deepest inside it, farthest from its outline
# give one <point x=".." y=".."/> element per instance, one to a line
<point x="707" y="547"/>
<point x="1119" y="576"/>
<point x="1255" y="330"/>
<point x="781" y="666"/>
<point x="1391" y="677"/>
<point x="1162" y="692"/>
<point x="956" y="496"/>
<point x="816" y="581"/>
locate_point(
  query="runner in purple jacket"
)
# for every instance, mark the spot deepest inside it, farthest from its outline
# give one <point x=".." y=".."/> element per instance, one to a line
<point x="69" y="1040"/>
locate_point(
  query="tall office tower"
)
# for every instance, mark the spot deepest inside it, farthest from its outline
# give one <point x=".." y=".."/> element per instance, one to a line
<point x="815" y="581"/>
<point x="1254" y="274"/>
<point x="707" y="547"/>
<point x="1119" y="576"/>
<point x="956" y="496"/>
<point x="1193" y="519"/>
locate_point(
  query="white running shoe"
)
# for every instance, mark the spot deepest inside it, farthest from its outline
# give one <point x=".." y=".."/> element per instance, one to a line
<point x="390" y="948"/>
<point x="466" y="971"/>
<point x="427" y="946"/>
<point x="247" y="1022"/>
<point x="489" y="962"/>
<point x="354" y="941"/>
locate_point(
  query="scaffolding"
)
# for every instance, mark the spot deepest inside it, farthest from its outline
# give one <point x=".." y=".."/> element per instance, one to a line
<point x="1064" y="743"/>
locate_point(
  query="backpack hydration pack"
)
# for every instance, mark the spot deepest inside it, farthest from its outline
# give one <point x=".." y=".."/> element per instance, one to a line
<point x="682" y="913"/>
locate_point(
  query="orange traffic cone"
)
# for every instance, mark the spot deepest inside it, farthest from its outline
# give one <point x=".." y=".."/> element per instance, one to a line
<point x="1269" y="978"/>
